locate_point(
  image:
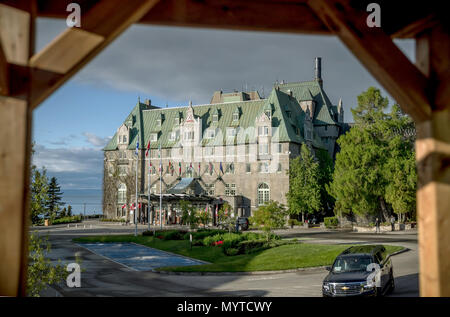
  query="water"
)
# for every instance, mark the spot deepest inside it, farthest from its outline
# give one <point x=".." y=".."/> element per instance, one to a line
<point x="78" y="197"/>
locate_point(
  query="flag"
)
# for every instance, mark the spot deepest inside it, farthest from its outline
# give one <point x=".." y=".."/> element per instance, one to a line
<point x="139" y="206"/>
<point x="125" y="205"/>
<point x="148" y="149"/>
<point x="179" y="166"/>
<point x="221" y="168"/>
<point x="198" y="168"/>
<point x="137" y="147"/>
<point x="210" y="168"/>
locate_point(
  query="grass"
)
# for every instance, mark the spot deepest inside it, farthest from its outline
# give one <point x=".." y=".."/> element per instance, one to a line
<point x="284" y="257"/>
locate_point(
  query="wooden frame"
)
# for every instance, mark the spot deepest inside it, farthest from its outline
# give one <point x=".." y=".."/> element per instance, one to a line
<point x="423" y="91"/>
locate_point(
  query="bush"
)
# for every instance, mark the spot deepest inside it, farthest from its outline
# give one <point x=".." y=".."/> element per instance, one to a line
<point x="113" y="220"/>
<point x="250" y="246"/>
<point x="66" y="220"/>
<point x="231" y="251"/>
<point x="203" y="233"/>
<point x="330" y="222"/>
<point x="293" y="222"/>
<point x="166" y="234"/>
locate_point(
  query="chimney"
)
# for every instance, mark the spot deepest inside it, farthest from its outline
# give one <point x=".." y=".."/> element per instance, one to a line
<point x="148" y="102"/>
<point x="318" y="70"/>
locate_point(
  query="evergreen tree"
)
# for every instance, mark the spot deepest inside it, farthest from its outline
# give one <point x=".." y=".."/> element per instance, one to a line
<point x="39" y="194"/>
<point x="54" y="197"/>
<point x="69" y="211"/>
<point x="304" y="188"/>
<point x="376" y="163"/>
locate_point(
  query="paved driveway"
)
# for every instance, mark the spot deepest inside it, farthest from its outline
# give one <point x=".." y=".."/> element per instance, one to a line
<point x="138" y="257"/>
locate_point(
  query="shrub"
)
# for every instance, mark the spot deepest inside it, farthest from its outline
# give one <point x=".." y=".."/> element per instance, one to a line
<point x="166" y="234"/>
<point x="231" y="251"/>
<point x="66" y="220"/>
<point x="330" y="222"/>
<point x="250" y="246"/>
<point x="203" y="233"/>
<point x="293" y="222"/>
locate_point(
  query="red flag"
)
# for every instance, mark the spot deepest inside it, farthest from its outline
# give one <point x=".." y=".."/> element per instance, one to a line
<point x="148" y="149"/>
<point x="179" y="165"/>
<point x="199" y="168"/>
<point x="124" y="206"/>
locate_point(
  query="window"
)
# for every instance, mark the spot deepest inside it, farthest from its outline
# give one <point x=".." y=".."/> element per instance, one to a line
<point x="263" y="131"/>
<point x="230" y="169"/>
<point x="153" y="170"/>
<point x="209" y="151"/>
<point x="230" y="189"/>
<point x="153" y="137"/>
<point x="230" y="150"/>
<point x="189" y="170"/>
<point x="288" y="113"/>
<point x="279" y="148"/>
<point x="235" y="116"/>
<point x="123" y="170"/>
<point x="210" y="133"/>
<point x="279" y="169"/>
<point x="124" y="139"/>
<point x="263" y="148"/>
<point x="215" y="117"/>
<point x="176" y="121"/>
<point x="326" y="127"/>
<point x="247" y="149"/>
<point x="231" y="132"/>
<point x="120" y="139"/>
<point x="122" y="194"/>
<point x="248" y="168"/>
<point x="264" y="168"/>
<point x="189" y="135"/>
<point x="153" y="189"/>
<point x="263" y="193"/>
<point x="268" y="113"/>
<point x="210" y="189"/>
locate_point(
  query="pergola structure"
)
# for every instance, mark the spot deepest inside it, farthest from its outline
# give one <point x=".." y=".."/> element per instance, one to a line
<point x="422" y="89"/>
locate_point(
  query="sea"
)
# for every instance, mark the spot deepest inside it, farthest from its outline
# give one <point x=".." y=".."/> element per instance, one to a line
<point x="88" y="201"/>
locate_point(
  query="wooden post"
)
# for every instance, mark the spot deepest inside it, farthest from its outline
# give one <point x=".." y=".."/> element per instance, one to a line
<point x="17" y="41"/>
<point x="433" y="163"/>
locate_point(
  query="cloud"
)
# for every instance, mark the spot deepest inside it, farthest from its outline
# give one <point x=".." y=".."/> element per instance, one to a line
<point x="74" y="167"/>
<point x="96" y="140"/>
<point x="181" y="64"/>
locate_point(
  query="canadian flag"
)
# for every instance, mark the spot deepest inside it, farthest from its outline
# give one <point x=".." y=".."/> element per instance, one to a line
<point x="148" y="149"/>
<point x="124" y="206"/>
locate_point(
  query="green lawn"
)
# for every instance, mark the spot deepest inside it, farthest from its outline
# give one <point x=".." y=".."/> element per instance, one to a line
<point x="280" y="258"/>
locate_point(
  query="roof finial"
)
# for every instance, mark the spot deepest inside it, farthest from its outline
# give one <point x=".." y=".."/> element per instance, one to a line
<point x="190" y="103"/>
<point x="139" y="99"/>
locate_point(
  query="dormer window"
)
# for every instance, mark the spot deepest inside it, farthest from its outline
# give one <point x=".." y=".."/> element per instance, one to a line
<point x="231" y="132"/>
<point x="176" y="121"/>
<point x="154" y="137"/>
<point x="123" y="139"/>
<point x="210" y="133"/>
<point x="263" y="131"/>
<point x="268" y="113"/>
<point x="236" y="115"/>
<point x="215" y="117"/>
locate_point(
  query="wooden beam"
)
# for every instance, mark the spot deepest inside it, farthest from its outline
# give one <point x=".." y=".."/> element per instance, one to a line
<point x="376" y="51"/>
<point x="15" y="148"/>
<point x="4" y="72"/>
<point x="254" y="15"/>
<point x="75" y="47"/>
<point x="433" y="164"/>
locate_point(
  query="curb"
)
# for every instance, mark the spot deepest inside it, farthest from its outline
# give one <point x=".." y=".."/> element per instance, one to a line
<point x="239" y="273"/>
<point x="400" y="251"/>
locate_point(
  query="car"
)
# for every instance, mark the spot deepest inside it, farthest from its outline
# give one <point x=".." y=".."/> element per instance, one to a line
<point x="364" y="270"/>
<point x="243" y="223"/>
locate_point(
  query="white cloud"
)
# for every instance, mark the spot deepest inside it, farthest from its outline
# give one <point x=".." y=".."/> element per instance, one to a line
<point x="96" y="140"/>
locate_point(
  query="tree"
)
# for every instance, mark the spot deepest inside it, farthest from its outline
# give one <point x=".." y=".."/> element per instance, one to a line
<point x="204" y="217"/>
<point x="357" y="178"/>
<point x="69" y="211"/>
<point x="39" y="194"/>
<point x="375" y="168"/>
<point x="41" y="272"/>
<point x="269" y="216"/>
<point x="224" y="217"/>
<point x="304" y="188"/>
<point x="326" y="168"/>
<point x="54" y="197"/>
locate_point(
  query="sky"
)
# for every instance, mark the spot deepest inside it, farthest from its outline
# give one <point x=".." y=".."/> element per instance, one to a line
<point x="171" y="66"/>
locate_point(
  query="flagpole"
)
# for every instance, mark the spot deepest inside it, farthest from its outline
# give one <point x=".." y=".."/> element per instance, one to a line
<point x="160" y="187"/>
<point x="135" y="206"/>
<point x="148" y="205"/>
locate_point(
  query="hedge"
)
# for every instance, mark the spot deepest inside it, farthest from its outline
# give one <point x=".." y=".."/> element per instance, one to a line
<point x="330" y="222"/>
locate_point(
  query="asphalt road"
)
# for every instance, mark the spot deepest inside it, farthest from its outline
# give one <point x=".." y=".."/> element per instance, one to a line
<point x="102" y="277"/>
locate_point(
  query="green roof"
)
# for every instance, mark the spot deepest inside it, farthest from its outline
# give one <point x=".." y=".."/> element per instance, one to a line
<point x="288" y="128"/>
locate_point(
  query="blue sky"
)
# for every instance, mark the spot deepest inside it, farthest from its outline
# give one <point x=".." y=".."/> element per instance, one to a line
<point x="174" y="65"/>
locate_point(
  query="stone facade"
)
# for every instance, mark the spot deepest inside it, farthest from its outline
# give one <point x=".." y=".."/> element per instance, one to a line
<point x="238" y="148"/>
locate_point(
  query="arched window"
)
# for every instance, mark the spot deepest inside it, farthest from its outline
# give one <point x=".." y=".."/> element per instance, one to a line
<point x="122" y="194"/>
<point x="263" y="193"/>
